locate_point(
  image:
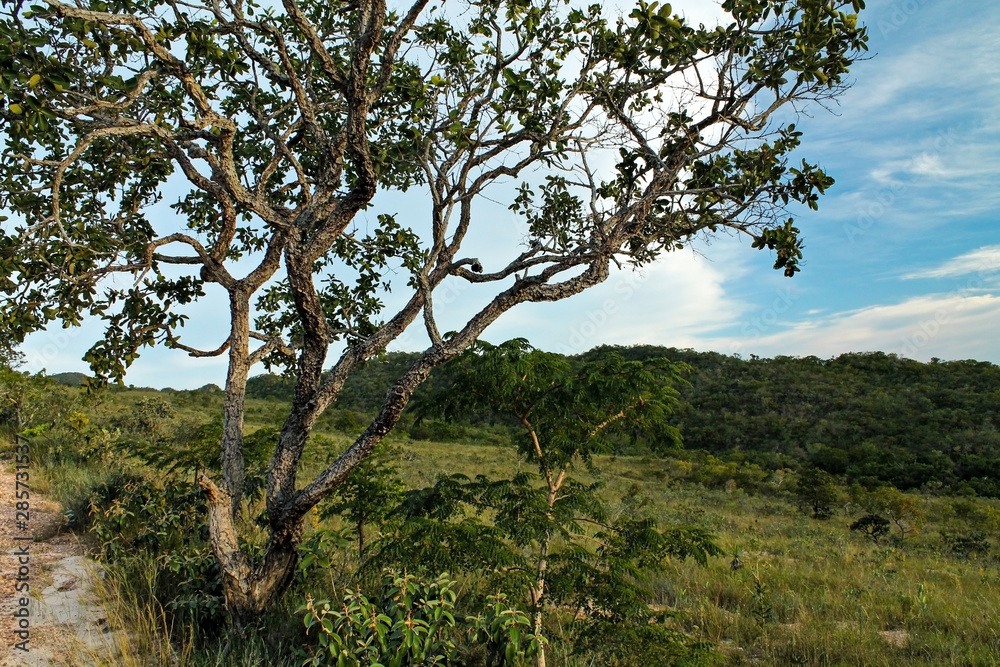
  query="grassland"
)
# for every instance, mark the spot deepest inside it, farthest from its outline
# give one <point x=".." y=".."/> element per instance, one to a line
<point x="805" y="592"/>
<point x="809" y="592"/>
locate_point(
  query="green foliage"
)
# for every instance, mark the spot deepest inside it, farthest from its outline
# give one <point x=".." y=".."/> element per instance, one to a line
<point x="575" y="409"/>
<point x="368" y="495"/>
<point x="134" y="518"/>
<point x="968" y="544"/>
<point x="19" y="394"/>
<point x="605" y="584"/>
<point x="817" y="493"/>
<point x="414" y="623"/>
<point x="551" y="540"/>
<point x="147" y="418"/>
<point x="872" y="526"/>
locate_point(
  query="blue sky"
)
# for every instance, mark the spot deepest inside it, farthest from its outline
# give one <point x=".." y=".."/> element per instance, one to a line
<point x="903" y="255"/>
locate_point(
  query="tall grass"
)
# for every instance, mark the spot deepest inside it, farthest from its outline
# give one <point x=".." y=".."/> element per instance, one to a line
<point x="809" y="592"/>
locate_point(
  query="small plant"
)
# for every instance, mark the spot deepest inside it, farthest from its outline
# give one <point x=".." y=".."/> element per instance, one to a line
<point x="414" y="623"/>
<point x="368" y="495"/>
<point x="922" y="598"/>
<point x="762" y="610"/>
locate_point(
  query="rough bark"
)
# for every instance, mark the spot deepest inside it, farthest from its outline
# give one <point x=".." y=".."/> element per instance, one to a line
<point x="233" y="464"/>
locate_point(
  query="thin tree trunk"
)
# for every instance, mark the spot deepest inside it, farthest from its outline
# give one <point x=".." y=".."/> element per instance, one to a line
<point x="538" y="592"/>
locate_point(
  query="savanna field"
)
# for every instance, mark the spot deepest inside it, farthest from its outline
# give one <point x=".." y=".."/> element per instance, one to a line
<point x="302" y="186"/>
<point x="812" y="563"/>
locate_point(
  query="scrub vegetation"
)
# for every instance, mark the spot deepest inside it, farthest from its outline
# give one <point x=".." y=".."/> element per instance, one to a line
<point x="756" y="553"/>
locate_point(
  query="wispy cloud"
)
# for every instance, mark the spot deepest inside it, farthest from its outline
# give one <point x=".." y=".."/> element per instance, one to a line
<point x="947" y="326"/>
<point x="675" y="301"/>
<point x="985" y="260"/>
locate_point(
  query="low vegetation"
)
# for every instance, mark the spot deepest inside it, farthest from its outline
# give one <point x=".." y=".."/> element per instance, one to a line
<point x="695" y="556"/>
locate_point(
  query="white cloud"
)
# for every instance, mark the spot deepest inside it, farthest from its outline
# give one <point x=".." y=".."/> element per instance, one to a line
<point x="673" y="302"/>
<point x="947" y="326"/>
<point x="982" y="261"/>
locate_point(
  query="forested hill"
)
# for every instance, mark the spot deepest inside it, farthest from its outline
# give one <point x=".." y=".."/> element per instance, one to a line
<point x="870" y="415"/>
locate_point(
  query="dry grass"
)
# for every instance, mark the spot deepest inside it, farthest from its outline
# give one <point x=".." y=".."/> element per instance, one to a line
<point x="810" y="592"/>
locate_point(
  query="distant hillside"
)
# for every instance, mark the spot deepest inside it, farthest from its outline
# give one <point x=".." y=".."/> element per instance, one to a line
<point x="70" y="379"/>
<point x="869" y="416"/>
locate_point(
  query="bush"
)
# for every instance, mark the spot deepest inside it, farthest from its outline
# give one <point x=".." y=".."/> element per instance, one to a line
<point x="136" y="519"/>
<point x="967" y="544"/>
<point x="872" y="526"/>
<point x="414" y="623"/>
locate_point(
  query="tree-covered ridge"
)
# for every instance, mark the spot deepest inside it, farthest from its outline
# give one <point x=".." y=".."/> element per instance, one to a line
<point x="870" y="416"/>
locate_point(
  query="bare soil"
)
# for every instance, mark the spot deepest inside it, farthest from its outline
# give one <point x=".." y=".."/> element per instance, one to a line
<point x="68" y="626"/>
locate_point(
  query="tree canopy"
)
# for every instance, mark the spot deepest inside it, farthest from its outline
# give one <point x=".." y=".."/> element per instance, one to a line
<point x="270" y="129"/>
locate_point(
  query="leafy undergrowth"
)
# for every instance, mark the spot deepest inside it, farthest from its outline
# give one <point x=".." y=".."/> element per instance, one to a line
<point x="791" y="589"/>
<point x="805" y="591"/>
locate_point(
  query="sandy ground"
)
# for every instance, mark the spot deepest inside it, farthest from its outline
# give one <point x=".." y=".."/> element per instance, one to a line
<point x="67" y="625"/>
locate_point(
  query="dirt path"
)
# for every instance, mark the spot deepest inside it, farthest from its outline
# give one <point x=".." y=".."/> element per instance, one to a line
<point x="67" y="626"/>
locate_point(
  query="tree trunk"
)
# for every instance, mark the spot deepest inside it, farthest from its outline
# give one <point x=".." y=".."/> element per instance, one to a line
<point x="249" y="588"/>
<point x="538" y="592"/>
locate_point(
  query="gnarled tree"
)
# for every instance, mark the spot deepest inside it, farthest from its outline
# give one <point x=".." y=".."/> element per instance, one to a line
<point x="272" y="129"/>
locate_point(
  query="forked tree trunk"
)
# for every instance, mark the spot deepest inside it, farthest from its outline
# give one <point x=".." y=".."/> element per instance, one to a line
<point x="249" y="588"/>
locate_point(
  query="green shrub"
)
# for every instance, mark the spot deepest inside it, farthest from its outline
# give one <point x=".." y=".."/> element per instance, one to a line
<point x="873" y="526"/>
<point x="134" y="519"/>
<point x="414" y="623"/>
<point x="967" y="544"/>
